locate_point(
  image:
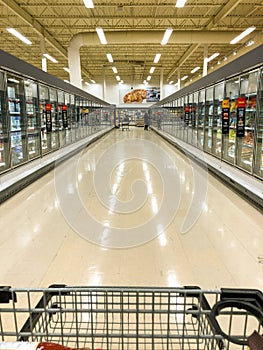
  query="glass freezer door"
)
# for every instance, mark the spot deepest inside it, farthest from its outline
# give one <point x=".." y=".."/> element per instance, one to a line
<point x="33" y="124"/>
<point x="16" y="110"/>
<point x="4" y="140"/>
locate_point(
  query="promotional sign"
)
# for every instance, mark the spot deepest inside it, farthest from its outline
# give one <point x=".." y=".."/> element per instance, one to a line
<point x="186" y="114"/>
<point x="65" y="116"/>
<point x="48" y="117"/>
<point x="225" y="116"/>
<point x="241" y="110"/>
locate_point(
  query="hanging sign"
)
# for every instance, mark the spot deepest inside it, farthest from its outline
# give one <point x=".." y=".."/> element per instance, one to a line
<point x="241" y="110"/>
<point x="186" y="114"/>
<point x="65" y="116"/>
<point x="48" y="117"/>
<point x="225" y="116"/>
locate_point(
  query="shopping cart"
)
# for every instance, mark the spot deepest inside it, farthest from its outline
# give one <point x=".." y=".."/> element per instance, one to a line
<point x="126" y="318"/>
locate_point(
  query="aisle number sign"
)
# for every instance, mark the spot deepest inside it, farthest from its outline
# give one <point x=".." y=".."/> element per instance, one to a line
<point x="225" y="116"/>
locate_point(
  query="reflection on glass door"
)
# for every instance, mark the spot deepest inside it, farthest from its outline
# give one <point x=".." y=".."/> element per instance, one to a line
<point x="16" y="109"/>
<point x="4" y="140"/>
<point x="33" y="130"/>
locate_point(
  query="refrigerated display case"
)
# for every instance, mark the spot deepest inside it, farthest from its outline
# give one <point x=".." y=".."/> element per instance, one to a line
<point x="32" y="116"/>
<point x="4" y="140"/>
<point x="16" y="113"/>
<point x="258" y="140"/>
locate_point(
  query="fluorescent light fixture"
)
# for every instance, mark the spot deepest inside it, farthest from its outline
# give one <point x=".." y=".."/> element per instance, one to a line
<point x="114" y="70"/>
<point x="66" y="69"/>
<point x="234" y="53"/>
<point x="148" y="78"/>
<point x="180" y="3"/>
<point x="109" y="57"/>
<point x="66" y="81"/>
<point x="88" y="4"/>
<point x="87" y="83"/>
<point x="93" y="81"/>
<point x="212" y="57"/>
<point x="152" y="70"/>
<point x="157" y="57"/>
<point x="50" y="58"/>
<point x="242" y="35"/>
<point x="185" y="77"/>
<point x="171" y="82"/>
<point x="19" y="35"/>
<point x="145" y="82"/>
<point x="166" y="36"/>
<point x="118" y="77"/>
<point x="101" y="35"/>
<point x="13" y="80"/>
<point x="195" y="69"/>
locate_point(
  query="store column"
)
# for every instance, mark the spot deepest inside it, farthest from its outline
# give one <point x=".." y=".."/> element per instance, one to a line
<point x="205" y="60"/>
<point x="161" y="84"/>
<point x="74" y="66"/>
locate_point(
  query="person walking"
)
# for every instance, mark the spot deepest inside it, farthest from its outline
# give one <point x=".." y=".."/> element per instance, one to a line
<point x="146" y="121"/>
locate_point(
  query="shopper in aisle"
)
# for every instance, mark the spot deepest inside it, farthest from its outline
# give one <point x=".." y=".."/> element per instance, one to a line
<point x="146" y="121"/>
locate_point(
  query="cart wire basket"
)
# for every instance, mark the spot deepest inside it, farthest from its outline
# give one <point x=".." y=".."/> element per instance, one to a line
<point x="132" y="318"/>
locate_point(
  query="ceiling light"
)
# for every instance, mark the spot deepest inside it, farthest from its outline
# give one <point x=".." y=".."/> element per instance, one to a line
<point x="66" y="69"/>
<point x="118" y="77"/>
<point x="185" y="77"/>
<point x="114" y="69"/>
<point x="195" y="69"/>
<point x="13" y="80"/>
<point x="101" y="35"/>
<point x="242" y="35"/>
<point x="152" y="70"/>
<point x="171" y="82"/>
<point x="212" y="57"/>
<point x="157" y="57"/>
<point x="50" y="58"/>
<point x="149" y="78"/>
<point x="86" y="83"/>
<point x="180" y="3"/>
<point x="88" y="4"/>
<point x="166" y="36"/>
<point x="66" y="81"/>
<point x="109" y="56"/>
<point x="19" y="36"/>
<point x="93" y="81"/>
<point x="234" y="53"/>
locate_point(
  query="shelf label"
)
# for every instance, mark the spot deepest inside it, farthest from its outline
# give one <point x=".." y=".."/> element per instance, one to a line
<point x="225" y="116"/>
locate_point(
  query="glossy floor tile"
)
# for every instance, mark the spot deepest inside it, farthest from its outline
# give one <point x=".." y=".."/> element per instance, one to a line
<point x="130" y="210"/>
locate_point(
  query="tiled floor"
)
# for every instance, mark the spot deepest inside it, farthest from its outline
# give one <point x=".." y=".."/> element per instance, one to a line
<point x="90" y="223"/>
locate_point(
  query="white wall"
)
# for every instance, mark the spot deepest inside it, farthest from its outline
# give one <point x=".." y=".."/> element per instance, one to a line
<point x="114" y="92"/>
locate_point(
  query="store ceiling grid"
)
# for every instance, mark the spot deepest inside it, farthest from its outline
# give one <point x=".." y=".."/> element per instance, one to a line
<point x="50" y="26"/>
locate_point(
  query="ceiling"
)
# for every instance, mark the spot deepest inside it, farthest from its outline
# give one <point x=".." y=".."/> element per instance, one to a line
<point x="51" y="25"/>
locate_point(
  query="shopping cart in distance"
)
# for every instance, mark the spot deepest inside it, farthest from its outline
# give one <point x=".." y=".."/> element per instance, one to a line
<point x="131" y="318"/>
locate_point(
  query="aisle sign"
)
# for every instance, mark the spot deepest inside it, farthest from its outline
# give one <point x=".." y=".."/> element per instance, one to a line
<point x="241" y="110"/>
<point x="48" y="117"/>
<point x="65" y="116"/>
<point x="186" y="114"/>
<point x="225" y="116"/>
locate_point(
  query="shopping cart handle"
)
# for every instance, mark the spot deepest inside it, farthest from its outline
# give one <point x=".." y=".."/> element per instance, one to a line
<point x="251" y="296"/>
<point x="6" y="295"/>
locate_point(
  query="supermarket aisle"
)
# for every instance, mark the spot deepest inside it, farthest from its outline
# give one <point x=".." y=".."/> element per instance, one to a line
<point x="90" y="223"/>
